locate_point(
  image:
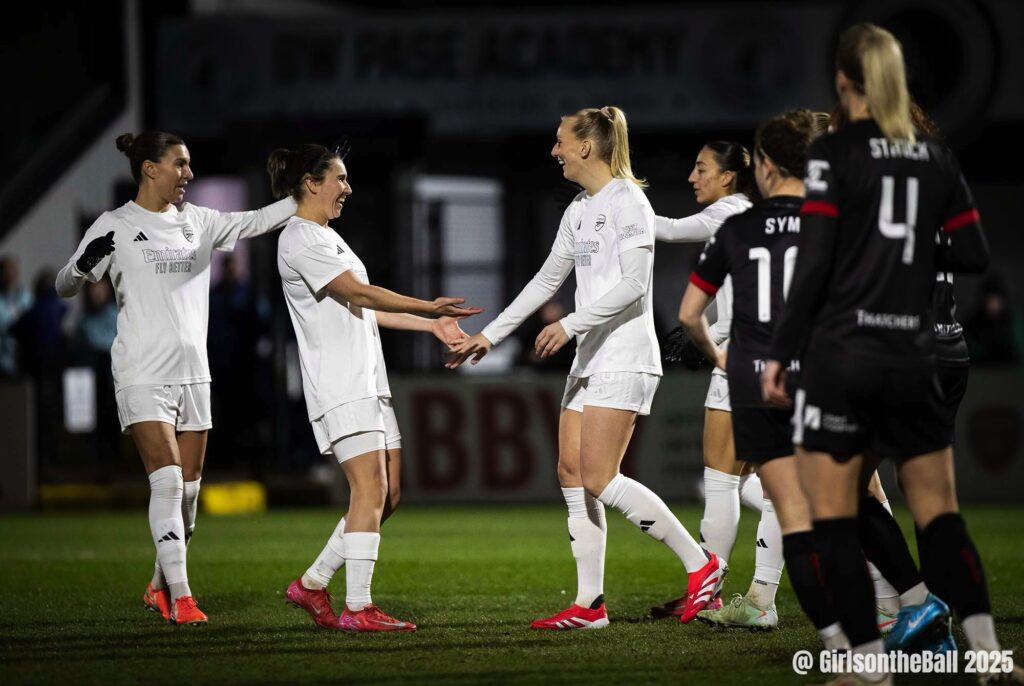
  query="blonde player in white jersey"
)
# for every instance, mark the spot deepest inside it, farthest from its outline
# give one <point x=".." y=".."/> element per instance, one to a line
<point x="335" y="312"/>
<point x="158" y="256"/>
<point x="722" y="179"/>
<point x="607" y="235"/>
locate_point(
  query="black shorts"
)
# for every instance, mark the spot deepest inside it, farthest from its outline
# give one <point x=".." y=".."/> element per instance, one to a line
<point x="762" y="433"/>
<point x="947" y="394"/>
<point x="845" y="406"/>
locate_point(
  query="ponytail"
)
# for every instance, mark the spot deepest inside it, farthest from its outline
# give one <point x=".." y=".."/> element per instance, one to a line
<point x="872" y="58"/>
<point x="607" y="128"/>
<point x="288" y="168"/>
<point x="731" y="156"/>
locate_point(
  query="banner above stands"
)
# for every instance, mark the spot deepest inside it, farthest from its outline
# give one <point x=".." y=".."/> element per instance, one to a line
<point x="500" y="70"/>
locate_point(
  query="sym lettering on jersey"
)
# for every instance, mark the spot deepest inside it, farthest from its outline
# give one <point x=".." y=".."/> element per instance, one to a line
<point x="885" y="149"/>
<point x="814" y="182"/>
<point x="782" y="225"/>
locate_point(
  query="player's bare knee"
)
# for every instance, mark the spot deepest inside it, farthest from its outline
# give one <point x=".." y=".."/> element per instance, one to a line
<point x="596" y="480"/>
<point x="569" y="474"/>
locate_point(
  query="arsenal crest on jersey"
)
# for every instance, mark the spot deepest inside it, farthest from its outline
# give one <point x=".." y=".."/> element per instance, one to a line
<point x="188" y="233"/>
<point x="600" y="222"/>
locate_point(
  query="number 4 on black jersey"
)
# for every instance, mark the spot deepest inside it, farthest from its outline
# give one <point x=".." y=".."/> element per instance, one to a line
<point x="868" y="255"/>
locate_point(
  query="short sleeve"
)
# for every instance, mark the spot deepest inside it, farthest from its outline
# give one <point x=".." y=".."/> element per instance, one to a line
<point x="319" y="264"/>
<point x="713" y="266"/>
<point x="634" y="227"/>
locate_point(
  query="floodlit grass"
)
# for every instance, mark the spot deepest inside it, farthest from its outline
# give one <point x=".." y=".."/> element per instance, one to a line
<point x="472" y="578"/>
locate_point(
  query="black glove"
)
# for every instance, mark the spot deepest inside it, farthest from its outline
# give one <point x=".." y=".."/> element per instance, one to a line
<point x="97" y="249"/>
<point x="677" y="347"/>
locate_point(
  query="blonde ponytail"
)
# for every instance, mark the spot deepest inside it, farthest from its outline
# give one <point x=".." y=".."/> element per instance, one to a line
<point x="872" y="58"/>
<point x="607" y="128"/>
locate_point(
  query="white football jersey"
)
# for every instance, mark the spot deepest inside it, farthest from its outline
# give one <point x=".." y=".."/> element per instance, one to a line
<point x="723" y="208"/>
<point x="160" y="269"/>
<point x="593" y="232"/>
<point x="339" y="343"/>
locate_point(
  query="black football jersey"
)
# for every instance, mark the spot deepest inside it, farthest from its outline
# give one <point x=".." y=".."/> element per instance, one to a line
<point x="864" y="281"/>
<point x="759" y="249"/>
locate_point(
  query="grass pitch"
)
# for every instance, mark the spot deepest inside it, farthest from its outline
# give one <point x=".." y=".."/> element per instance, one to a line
<point x="472" y="578"/>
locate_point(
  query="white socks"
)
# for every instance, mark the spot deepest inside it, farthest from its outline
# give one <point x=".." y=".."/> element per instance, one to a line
<point x="330" y="560"/>
<point x="721" y="512"/>
<point x="360" y="556"/>
<point x="189" y="505"/>
<point x="875" y="647"/>
<point x="649" y="512"/>
<point x="165" y="522"/>
<point x="588" y="534"/>
<point x="768" y="561"/>
<point x="980" y="632"/>
<point x="833" y="637"/>
<point x="751" y="492"/>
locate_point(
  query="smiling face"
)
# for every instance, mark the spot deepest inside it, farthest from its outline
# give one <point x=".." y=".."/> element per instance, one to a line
<point x="329" y="195"/>
<point x="569" y="150"/>
<point x="709" y="182"/>
<point x="171" y="174"/>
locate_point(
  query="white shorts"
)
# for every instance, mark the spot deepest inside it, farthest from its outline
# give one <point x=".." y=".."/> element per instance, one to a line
<point x="632" y="391"/>
<point x="718" y="392"/>
<point x="358" y="427"/>
<point x="185" y="407"/>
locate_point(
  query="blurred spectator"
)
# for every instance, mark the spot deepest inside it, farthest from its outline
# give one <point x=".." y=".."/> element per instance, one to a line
<point x="41" y="355"/>
<point x="14" y="300"/>
<point x="994" y="331"/>
<point x="38" y="331"/>
<point x="93" y="337"/>
<point x="550" y="312"/>
<point x="95" y="331"/>
<point x="235" y="328"/>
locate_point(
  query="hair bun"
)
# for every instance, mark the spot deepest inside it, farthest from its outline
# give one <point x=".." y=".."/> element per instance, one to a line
<point x="125" y="141"/>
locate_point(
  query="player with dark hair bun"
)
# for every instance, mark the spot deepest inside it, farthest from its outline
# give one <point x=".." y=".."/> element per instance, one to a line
<point x="158" y="255"/>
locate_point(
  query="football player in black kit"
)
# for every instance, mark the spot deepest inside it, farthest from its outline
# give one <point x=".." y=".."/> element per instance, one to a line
<point x="860" y="310"/>
<point x="759" y="248"/>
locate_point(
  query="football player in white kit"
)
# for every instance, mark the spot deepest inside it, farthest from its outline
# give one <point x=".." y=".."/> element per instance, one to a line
<point x="607" y="234"/>
<point x="157" y="252"/>
<point x="336" y="312"/>
<point x="722" y="177"/>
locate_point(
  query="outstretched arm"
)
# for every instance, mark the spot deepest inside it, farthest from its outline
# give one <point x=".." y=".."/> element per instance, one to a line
<point x="538" y="291"/>
<point x="636" y="266"/>
<point x="228" y="227"/>
<point x="446" y="329"/>
<point x="347" y="287"/>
